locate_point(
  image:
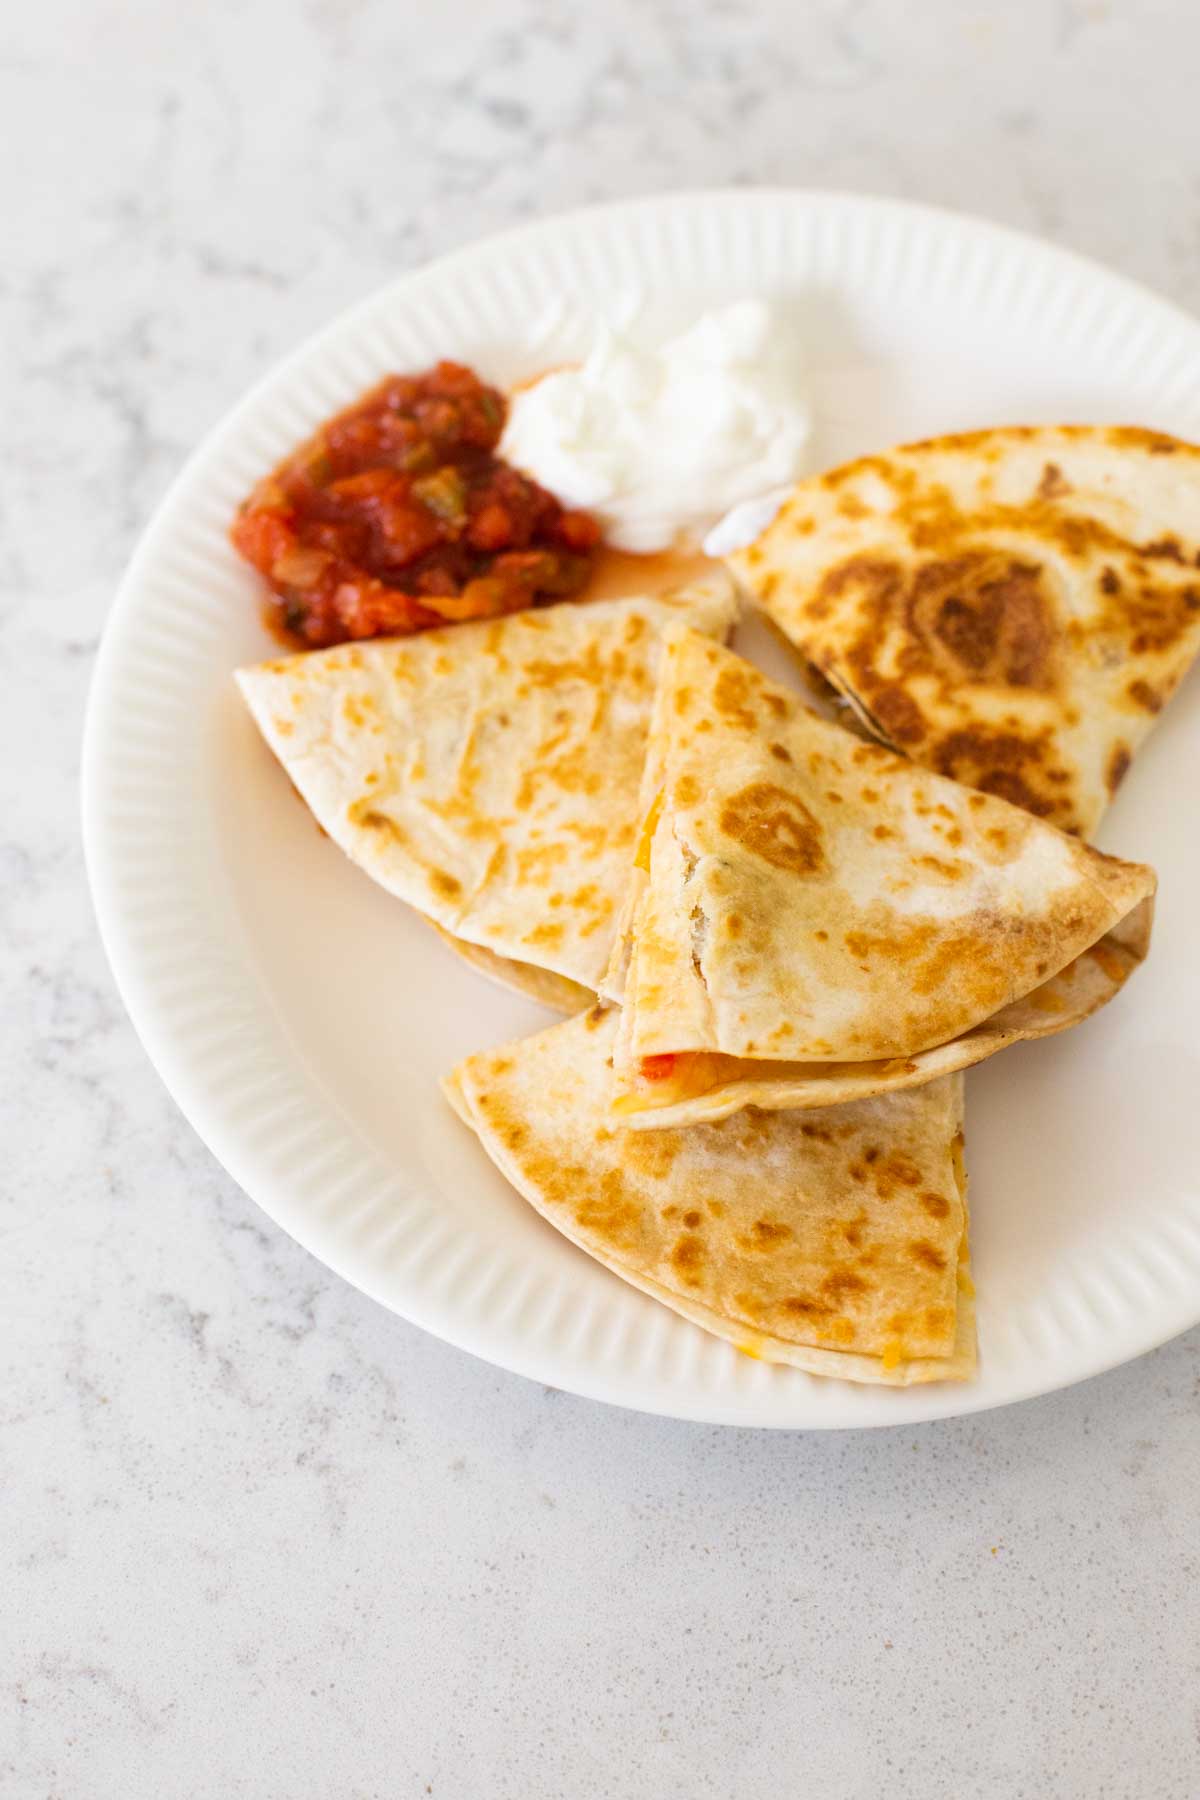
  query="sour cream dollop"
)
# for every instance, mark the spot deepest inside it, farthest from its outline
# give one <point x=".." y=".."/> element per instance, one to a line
<point x="662" y="443"/>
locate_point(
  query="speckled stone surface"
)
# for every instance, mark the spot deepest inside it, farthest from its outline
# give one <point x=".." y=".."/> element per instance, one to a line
<point x="260" y="1538"/>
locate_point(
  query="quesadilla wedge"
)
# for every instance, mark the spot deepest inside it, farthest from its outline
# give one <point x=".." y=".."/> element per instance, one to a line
<point x="542" y="985"/>
<point x="815" y="918"/>
<point x="1012" y="607"/>
<point x="488" y="773"/>
<point x="833" y="1241"/>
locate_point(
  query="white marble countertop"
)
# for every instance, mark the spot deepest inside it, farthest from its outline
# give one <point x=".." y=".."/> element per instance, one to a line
<point x="259" y="1537"/>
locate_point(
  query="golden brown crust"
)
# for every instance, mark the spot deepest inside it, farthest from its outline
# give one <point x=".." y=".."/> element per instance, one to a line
<point x="835" y="920"/>
<point x="834" y="1241"/>
<point x="488" y="773"/>
<point x="1011" y="607"/>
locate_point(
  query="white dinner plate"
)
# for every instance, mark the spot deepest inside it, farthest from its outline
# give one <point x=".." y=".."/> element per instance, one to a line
<point x="301" y="1017"/>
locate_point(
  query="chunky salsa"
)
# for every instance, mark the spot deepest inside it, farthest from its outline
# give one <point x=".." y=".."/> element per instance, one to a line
<point x="398" y="515"/>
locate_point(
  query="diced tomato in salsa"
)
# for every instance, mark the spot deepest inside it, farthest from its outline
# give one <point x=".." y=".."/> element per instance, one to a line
<point x="398" y="515"/>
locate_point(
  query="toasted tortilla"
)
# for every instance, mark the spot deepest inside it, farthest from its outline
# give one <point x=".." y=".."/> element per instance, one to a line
<point x="488" y="773"/>
<point x="816" y="918"/>
<point x="1013" y="607"/>
<point x="833" y="1241"/>
<point x="542" y="985"/>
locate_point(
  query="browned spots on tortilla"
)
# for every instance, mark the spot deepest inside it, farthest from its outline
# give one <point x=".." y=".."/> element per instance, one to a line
<point x="683" y="699"/>
<point x="687" y="790"/>
<point x="732" y="696"/>
<point x="360" y="710"/>
<point x="927" y="1254"/>
<point x="445" y="884"/>
<point x="775" y="825"/>
<point x="687" y="1258"/>
<point x="537" y="863"/>
<point x="605" y="1209"/>
<point x="902" y="944"/>
<point x="896" y="713"/>
<point x="364" y="812"/>
<point x="853" y="1229"/>
<point x="590" y="666"/>
<point x="1145" y="696"/>
<point x="941" y="866"/>
<point x="651" y="1153"/>
<point x="938" y="1321"/>
<point x="764" y="1236"/>
<point x="980" y="615"/>
<point x="1002" y="763"/>
<point x="960" y="956"/>
<point x="1166" y="548"/>
<point x="1053" y="483"/>
<point x="893" y="1172"/>
<point x="878" y="576"/>
<point x="1118" y="767"/>
<point x="841" y="1283"/>
<point x="548" y="933"/>
<point x="985" y="615"/>
<point x="936" y="1205"/>
<point x="803" y="1306"/>
<point x="1162" y="614"/>
<point x="882" y="832"/>
<point x="781" y="753"/>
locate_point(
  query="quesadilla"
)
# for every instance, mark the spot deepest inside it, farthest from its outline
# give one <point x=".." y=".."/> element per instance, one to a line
<point x="834" y="1241"/>
<point x="542" y="985"/>
<point x="1013" y="607"/>
<point x="488" y="773"/>
<point x="815" y="918"/>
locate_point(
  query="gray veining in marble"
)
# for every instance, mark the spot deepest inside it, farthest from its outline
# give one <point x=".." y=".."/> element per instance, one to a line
<point x="258" y="1537"/>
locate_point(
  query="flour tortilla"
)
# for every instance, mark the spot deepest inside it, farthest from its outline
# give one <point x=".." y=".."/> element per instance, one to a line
<point x="817" y="919"/>
<point x="542" y="985"/>
<point x="833" y="1241"/>
<point x="488" y="773"/>
<point x="1013" y="607"/>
